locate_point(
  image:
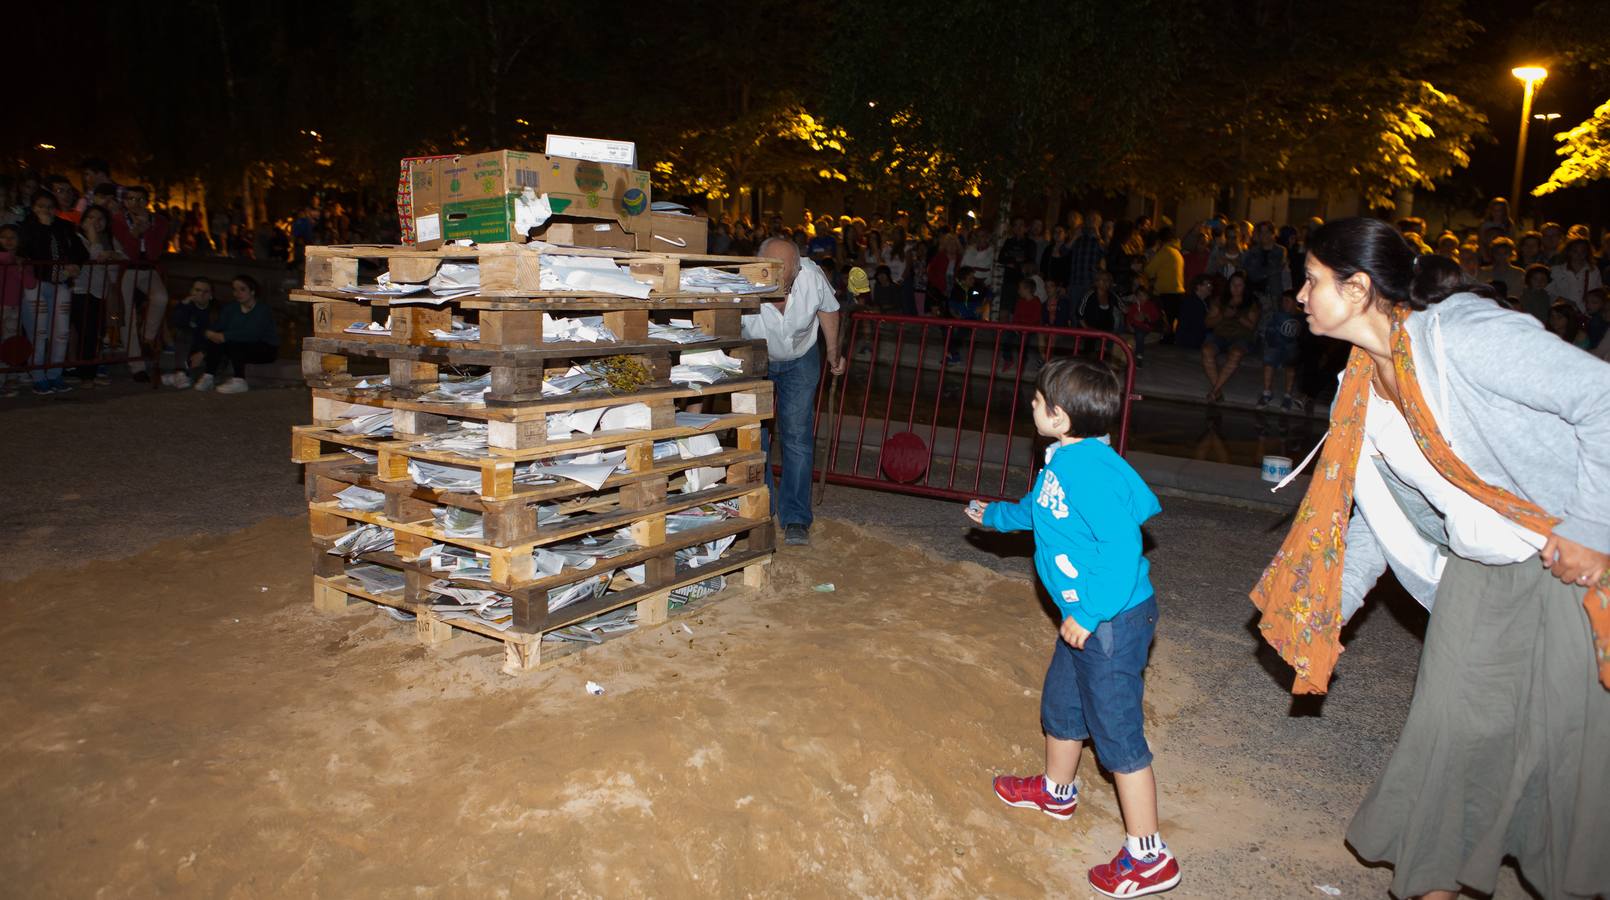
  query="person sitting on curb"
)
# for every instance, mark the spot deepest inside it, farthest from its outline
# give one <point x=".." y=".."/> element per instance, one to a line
<point x="245" y="334"/>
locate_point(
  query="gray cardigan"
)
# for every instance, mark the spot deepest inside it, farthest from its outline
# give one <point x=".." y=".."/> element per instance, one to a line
<point x="1525" y="410"/>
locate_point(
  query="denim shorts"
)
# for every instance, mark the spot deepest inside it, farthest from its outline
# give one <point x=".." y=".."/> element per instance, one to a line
<point x="1095" y="694"/>
<point x="1280" y="357"/>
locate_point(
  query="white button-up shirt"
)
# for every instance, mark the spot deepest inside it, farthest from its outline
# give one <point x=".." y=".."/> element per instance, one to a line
<point x="790" y="332"/>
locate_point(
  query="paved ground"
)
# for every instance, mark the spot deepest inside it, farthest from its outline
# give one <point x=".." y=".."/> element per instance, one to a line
<point x="103" y="474"/>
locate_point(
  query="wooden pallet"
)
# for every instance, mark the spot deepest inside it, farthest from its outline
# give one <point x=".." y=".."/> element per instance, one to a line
<point x="514" y="428"/>
<point x="514" y="521"/>
<point x="514" y="270"/>
<point x="316" y="444"/>
<point x="513" y="570"/>
<point x="524" y="651"/>
<point x="516" y="376"/>
<point x="512" y="329"/>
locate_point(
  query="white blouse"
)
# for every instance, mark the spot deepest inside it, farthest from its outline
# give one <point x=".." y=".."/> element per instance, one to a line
<point x="1475" y="530"/>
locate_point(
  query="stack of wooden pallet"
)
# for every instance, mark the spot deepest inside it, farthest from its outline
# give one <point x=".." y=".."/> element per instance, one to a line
<point x="692" y="476"/>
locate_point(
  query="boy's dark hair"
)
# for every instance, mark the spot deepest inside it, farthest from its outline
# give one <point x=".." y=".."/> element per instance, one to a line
<point x="1539" y="269"/>
<point x="964" y="272"/>
<point x="95" y="164"/>
<point x="11" y="228"/>
<point x="104" y="190"/>
<point x="1087" y="390"/>
<point x="1025" y="285"/>
<point x="249" y="281"/>
<point x="882" y="270"/>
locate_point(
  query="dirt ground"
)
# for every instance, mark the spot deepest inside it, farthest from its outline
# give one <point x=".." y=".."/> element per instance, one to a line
<point x="181" y="722"/>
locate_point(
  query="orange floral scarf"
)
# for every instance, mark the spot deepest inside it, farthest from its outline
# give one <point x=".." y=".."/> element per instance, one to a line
<point x="1300" y="592"/>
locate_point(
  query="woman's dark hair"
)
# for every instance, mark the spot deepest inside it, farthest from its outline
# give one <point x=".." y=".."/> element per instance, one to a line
<point x="249" y="281"/>
<point x="105" y="239"/>
<point x="1087" y="390"/>
<point x="1398" y="275"/>
<point x="41" y="195"/>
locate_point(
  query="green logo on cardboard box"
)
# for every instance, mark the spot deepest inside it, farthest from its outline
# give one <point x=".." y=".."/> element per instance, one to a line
<point x="589" y="177"/>
<point x="453" y="185"/>
<point x="634" y="201"/>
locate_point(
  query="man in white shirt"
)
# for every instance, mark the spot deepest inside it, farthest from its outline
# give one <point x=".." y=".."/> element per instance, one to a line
<point x="790" y="328"/>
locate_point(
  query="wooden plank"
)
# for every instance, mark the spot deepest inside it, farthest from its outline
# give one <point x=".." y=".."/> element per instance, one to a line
<point x="331" y="319"/>
<point x="511" y="328"/>
<point x="628" y="325"/>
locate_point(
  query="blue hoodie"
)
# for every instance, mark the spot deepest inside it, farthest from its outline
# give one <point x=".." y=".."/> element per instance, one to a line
<point x="1085" y="510"/>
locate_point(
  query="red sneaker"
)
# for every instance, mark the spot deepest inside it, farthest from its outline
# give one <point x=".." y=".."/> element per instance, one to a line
<point x="1127" y="876"/>
<point x="1030" y="793"/>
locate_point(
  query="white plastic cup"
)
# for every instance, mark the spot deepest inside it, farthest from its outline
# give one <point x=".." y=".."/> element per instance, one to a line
<point x="1276" y="467"/>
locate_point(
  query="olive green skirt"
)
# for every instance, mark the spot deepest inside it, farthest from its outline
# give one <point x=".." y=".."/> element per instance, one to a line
<point x="1506" y="751"/>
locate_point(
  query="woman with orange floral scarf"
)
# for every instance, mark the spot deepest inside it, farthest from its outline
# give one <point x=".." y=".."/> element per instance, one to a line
<point x="1469" y="450"/>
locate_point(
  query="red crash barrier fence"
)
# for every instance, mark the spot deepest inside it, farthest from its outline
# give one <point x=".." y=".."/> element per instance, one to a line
<point x="58" y="318"/>
<point x="941" y="407"/>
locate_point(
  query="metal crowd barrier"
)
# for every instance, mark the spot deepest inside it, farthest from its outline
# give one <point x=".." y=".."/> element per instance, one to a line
<point x="940" y="407"/>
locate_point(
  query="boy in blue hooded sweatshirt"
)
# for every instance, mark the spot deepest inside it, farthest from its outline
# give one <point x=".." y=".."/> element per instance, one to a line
<point x="1086" y="510"/>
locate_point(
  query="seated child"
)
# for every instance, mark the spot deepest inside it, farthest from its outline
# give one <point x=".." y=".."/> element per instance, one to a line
<point x="1281" y="332"/>
<point x="191" y="319"/>
<point x="1144" y="318"/>
<point x="1086" y="510"/>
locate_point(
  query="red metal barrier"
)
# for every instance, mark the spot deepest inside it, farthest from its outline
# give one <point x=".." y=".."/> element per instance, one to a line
<point x="961" y="386"/>
<point x="56" y="316"/>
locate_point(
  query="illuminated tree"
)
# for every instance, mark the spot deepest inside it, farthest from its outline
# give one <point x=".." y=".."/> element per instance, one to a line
<point x="1585" y="152"/>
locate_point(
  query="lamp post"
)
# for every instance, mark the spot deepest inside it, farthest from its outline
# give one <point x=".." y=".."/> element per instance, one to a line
<point x="1531" y="76"/>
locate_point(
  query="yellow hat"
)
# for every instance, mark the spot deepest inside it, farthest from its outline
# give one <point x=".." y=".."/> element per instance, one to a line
<point x="858" y="281"/>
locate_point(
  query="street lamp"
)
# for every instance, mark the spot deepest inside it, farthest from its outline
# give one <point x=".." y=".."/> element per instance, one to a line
<point x="1531" y="76"/>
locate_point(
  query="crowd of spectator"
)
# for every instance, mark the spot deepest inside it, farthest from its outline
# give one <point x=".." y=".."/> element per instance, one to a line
<point x="93" y="288"/>
<point x="1225" y="287"/>
<point x="81" y="280"/>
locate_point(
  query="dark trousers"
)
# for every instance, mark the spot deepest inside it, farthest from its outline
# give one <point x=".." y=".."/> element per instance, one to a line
<point x="239" y="353"/>
<point x="86" y="319"/>
<point x="1171" y="313"/>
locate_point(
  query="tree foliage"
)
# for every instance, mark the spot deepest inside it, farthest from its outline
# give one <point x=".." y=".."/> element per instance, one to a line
<point x="1585" y="152"/>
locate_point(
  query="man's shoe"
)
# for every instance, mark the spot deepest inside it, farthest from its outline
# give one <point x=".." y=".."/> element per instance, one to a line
<point x="181" y="380"/>
<point x="1030" y="793"/>
<point x="797" y="536"/>
<point x="233" y="386"/>
<point x="142" y="376"/>
<point x="58" y="386"/>
<point x="1265" y="398"/>
<point x="204" y="383"/>
<point x="42" y="388"/>
<point x="1287" y="402"/>
<point x="1127" y="876"/>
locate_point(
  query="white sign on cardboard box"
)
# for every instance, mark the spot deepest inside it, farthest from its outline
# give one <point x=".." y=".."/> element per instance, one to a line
<point x="621" y="153"/>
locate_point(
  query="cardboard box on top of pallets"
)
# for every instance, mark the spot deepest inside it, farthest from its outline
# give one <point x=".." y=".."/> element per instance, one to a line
<point x="497" y="196"/>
